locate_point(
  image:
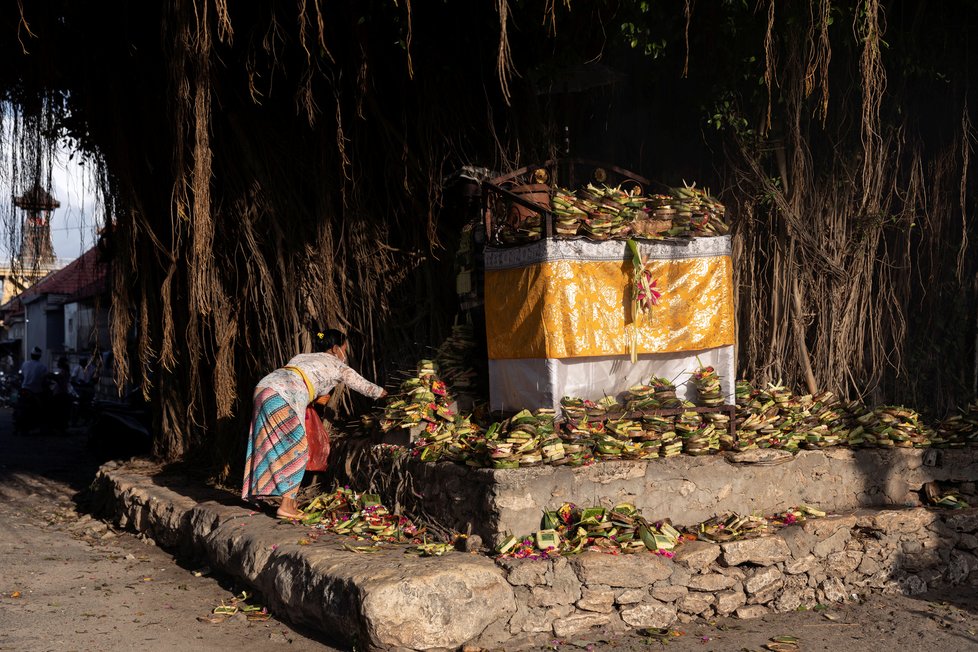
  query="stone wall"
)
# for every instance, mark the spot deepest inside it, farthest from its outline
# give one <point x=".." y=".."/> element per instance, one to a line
<point x="685" y="489"/>
<point x="822" y="561"/>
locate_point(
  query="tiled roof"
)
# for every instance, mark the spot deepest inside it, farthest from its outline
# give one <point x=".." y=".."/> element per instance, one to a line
<point x="81" y="278"/>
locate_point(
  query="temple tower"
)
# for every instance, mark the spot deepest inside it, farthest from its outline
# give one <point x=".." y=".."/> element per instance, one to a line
<point x="36" y="250"/>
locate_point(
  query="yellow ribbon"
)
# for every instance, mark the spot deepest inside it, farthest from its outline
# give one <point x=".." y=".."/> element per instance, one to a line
<point x="305" y="379"/>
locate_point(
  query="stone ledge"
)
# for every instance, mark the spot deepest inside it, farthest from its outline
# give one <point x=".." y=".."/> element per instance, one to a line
<point x="381" y="601"/>
<point x="685" y="489"/>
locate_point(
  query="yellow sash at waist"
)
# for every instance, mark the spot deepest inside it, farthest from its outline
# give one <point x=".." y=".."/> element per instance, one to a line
<point x="305" y="379"/>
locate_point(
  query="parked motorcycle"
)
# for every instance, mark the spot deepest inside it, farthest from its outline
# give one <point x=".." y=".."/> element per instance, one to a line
<point x="8" y="389"/>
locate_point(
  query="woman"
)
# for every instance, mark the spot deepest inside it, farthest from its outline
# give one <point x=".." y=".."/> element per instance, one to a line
<point x="277" y="449"/>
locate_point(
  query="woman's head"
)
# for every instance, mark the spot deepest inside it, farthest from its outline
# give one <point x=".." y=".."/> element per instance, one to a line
<point x="330" y="340"/>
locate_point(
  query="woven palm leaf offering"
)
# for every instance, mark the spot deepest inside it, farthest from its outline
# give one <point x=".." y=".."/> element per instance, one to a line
<point x="630" y="434"/>
<point x="657" y="428"/>
<point x="578" y="441"/>
<point x="569" y="212"/>
<point x="570" y="529"/>
<point x="829" y="428"/>
<point x="958" y="429"/>
<point x="697" y="212"/>
<point x="360" y="515"/>
<point x="573" y="408"/>
<point x="693" y="432"/>
<point x="709" y="393"/>
<point x="521" y="440"/>
<point x="664" y="392"/>
<point x="861" y="421"/>
<point x="421" y="398"/>
<point x="731" y="526"/>
<point x="749" y="420"/>
<point x="899" y="427"/>
<point x="640" y="398"/>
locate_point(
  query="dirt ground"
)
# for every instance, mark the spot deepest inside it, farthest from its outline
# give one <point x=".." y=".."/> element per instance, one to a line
<point x="69" y="582"/>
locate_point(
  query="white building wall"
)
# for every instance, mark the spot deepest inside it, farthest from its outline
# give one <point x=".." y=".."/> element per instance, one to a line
<point x="71" y="327"/>
<point x="36" y="330"/>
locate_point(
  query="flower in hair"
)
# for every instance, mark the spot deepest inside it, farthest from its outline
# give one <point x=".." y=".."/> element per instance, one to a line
<point x="320" y="335"/>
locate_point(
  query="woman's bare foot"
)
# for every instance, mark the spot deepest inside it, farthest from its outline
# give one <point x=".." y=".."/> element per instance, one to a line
<point x="288" y="509"/>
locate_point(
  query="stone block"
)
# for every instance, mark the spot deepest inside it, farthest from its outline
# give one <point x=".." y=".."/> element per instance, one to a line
<point x="823" y="528"/>
<point x="668" y="592"/>
<point x="695" y="603"/>
<point x="789" y="600"/>
<point x="799" y="565"/>
<point x="525" y="572"/>
<point x="621" y="571"/>
<point x="763" y="579"/>
<point x="601" y="601"/>
<point x="835" y="542"/>
<point x="711" y="582"/>
<point x="631" y="596"/>
<point x="697" y="555"/>
<point x="968" y="542"/>
<point x="732" y="571"/>
<point x="868" y="566"/>
<point x="528" y="620"/>
<point x="834" y="590"/>
<point x="912" y="585"/>
<point x="436" y="605"/>
<point x="842" y="564"/>
<point x="902" y="521"/>
<point x="799" y="541"/>
<point x="763" y="551"/>
<point x="576" y="624"/>
<point x="963" y="521"/>
<point x="649" y="614"/>
<point x="729" y="601"/>
<point x="564" y="580"/>
<point x="752" y="611"/>
<point x="546" y="596"/>
<point x="680" y="576"/>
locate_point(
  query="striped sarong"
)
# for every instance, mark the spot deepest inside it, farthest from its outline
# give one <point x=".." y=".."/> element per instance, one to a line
<point x="277" y="449"/>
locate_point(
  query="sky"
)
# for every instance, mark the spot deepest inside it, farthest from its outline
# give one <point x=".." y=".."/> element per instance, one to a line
<point x="74" y="224"/>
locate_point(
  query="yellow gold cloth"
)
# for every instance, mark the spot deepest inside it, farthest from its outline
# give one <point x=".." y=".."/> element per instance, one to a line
<point x="575" y="308"/>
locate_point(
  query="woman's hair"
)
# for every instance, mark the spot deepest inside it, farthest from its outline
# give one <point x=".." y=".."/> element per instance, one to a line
<point x="324" y="340"/>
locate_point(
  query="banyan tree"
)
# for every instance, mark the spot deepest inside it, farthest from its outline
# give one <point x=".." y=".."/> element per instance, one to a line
<point x="267" y="166"/>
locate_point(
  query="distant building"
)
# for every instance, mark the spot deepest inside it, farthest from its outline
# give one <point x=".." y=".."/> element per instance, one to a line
<point x="35" y="258"/>
<point x="64" y="313"/>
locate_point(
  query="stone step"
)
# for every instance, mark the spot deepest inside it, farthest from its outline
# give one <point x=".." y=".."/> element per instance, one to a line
<point x="380" y="601"/>
<point x="490" y="502"/>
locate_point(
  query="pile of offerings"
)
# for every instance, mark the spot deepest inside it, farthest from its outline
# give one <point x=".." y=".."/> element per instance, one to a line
<point x="622" y="529"/>
<point x="571" y="529"/>
<point x="635" y="429"/>
<point x="360" y="515"/>
<point x="606" y="212"/>
<point x="959" y="429"/>
<point x="525" y="439"/>
<point x="421" y="400"/>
